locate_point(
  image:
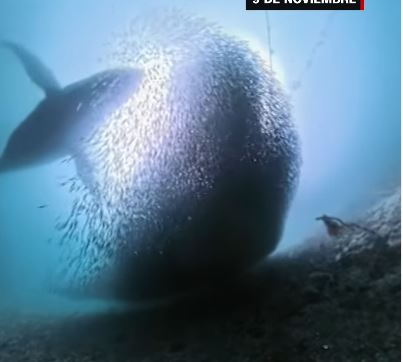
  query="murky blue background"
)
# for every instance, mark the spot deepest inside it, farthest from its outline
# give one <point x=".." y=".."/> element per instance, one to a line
<point x="347" y="108"/>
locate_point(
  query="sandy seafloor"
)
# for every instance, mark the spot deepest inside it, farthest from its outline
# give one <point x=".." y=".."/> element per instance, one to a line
<point x="335" y="299"/>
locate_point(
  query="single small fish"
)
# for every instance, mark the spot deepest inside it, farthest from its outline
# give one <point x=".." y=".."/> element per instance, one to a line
<point x="42" y="206"/>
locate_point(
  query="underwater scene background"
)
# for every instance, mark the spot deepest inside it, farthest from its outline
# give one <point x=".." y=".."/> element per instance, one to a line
<point x="341" y="71"/>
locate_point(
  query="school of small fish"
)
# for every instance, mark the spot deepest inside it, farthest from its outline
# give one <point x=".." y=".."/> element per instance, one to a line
<point x="153" y="162"/>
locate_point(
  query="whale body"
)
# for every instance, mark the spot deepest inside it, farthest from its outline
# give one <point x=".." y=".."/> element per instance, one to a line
<point x="67" y="116"/>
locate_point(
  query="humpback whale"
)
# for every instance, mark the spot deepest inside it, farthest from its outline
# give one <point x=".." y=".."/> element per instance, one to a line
<point x="67" y="116"/>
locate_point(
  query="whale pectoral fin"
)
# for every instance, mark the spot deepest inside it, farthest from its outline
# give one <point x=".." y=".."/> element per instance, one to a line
<point x="36" y="70"/>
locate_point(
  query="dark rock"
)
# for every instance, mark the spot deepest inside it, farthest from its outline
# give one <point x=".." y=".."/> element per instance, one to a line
<point x="257" y="332"/>
<point x="177" y="347"/>
<point x="312" y="294"/>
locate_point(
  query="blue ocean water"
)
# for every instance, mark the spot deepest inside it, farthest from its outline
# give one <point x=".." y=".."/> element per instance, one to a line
<point x="347" y="108"/>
